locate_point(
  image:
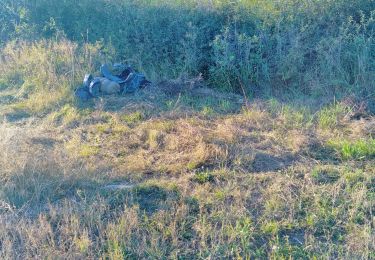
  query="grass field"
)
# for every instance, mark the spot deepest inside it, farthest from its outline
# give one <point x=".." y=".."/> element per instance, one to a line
<point x="188" y="177"/>
<point x="256" y="139"/>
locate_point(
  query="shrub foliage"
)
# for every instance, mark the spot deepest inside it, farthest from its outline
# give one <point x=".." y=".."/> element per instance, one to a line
<point x="265" y="47"/>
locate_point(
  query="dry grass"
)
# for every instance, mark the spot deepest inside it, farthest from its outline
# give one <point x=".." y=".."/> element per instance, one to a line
<point x="253" y="183"/>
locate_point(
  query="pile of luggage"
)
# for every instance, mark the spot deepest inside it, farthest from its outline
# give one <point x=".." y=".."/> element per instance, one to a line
<point x="120" y="80"/>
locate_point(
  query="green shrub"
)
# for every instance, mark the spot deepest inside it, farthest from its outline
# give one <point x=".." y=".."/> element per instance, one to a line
<point x="237" y="60"/>
<point x="265" y="47"/>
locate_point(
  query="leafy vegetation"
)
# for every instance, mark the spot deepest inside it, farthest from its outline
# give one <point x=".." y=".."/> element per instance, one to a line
<point x="310" y="47"/>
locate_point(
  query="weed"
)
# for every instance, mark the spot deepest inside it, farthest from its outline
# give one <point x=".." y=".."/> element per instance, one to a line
<point x="203" y="177"/>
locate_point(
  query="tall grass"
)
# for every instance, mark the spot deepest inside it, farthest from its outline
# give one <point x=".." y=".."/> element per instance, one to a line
<point x="42" y="76"/>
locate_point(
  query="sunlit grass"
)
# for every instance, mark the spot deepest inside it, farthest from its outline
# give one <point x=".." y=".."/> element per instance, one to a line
<point x="357" y="149"/>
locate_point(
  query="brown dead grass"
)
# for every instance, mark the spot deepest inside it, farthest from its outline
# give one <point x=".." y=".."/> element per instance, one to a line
<point x="235" y="185"/>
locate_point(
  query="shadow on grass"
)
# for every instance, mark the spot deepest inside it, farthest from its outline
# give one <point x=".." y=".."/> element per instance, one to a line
<point x="154" y="101"/>
<point x="265" y="162"/>
<point x="32" y="189"/>
<point x="322" y="153"/>
<point x="149" y="198"/>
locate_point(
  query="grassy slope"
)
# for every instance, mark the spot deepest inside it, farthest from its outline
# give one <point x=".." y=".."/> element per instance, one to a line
<point x="158" y="175"/>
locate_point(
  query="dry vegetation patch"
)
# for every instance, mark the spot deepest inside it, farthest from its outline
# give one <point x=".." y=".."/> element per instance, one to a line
<point x="267" y="180"/>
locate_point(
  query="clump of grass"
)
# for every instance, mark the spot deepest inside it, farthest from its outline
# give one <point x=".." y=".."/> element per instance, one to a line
<point x="102" y="128"/>
<point x="271" y="227"/>
<point x="192" y="165"/>
<point x="83" y="242"/>
<point x="88" y="150"/>
<point x="154" y="138"/>
<point x="225" y="105"/>
<point x="329" y="117"/>
<point x="133" y="118"/>
<point x="325" y="175"/>
<point x="361" y="149"/>
<point x="151" y="196"/>
<point x="354" y="177"/>
<point x="293" y="116"/>
<point x="68" y="114"/>
<point x="207" y="111"/>
<point x="203" y="177"/>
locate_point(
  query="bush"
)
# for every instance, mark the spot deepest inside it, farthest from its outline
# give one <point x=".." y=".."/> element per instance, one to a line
<point x="260" y="47"/>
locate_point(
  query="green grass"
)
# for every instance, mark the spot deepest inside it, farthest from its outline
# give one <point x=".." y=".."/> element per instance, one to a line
<point x="354" y="150"/>
<point x="203" y="177"/>
<point x="329" y="117"/>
